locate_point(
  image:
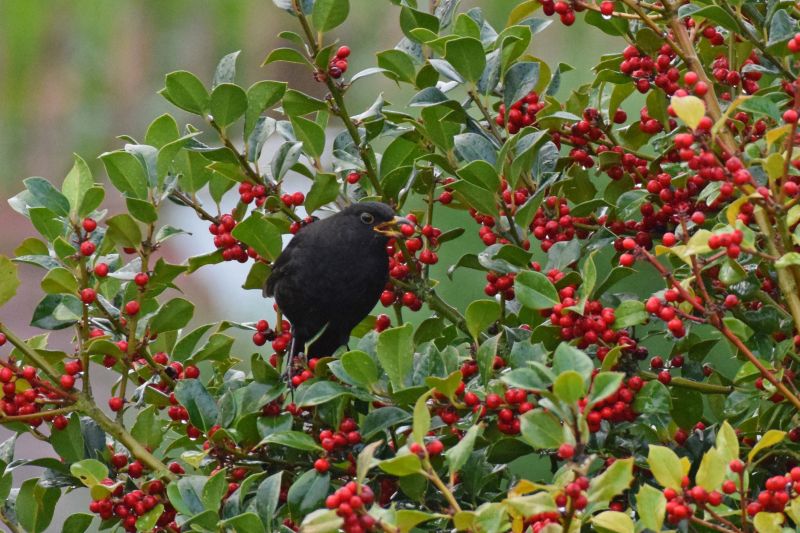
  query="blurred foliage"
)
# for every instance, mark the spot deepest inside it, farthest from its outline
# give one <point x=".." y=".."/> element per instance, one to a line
<point x="73" y="74"/>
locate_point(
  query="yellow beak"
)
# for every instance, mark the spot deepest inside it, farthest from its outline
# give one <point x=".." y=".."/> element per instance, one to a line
<point x="390" y="228"/>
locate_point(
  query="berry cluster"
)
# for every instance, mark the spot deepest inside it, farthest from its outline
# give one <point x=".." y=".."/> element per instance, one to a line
<point x="508" y="407"/>
<point x="249" y="192"/>
<point x="522" y="113"/>
<point x="232" y="250"/>
<point x="351" y="502"/>
<point x="730" y="241"/>
<point x="574" y="495"/>
<point x="645" y="70"/>
<point x="25" y="394"/>
<point x="748" y="79"/>
<point x="129" y="506"/>
<point x="616" y="408"/>
<point x="87" y="247"/>
<point x="593" y="326"/>
<point x="500" y="283"/>
<point x="338" y="64"/>
<point x="293" y="200"/>
<point x="663" y="367"/>
<point x="667" y="311"/>
<point x="280" y="341"/>
<point x="419" y="251"/>
<point x="336" y="441"/>
<point x="565" y="10"/>
<point x="553" y="223"/>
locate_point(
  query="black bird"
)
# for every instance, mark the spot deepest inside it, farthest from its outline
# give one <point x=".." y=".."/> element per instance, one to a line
<point x="331" y="275"/>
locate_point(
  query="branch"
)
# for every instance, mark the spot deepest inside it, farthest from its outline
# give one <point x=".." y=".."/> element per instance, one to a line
<point x="706" y="388"/>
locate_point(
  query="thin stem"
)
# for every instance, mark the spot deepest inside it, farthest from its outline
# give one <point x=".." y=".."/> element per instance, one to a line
<point x="340" y="110"/>
<point x="485" y="112"/>
<point x="243" y="162"/>
<point x="721" y="520"/>
<point x="202" y="213"/>
<point x="33" y="416"/>
<point x="431" y="474"/>
<point x="12" y="527"/>
<point x="683" y="383"/>
<point x="709" y="525"/>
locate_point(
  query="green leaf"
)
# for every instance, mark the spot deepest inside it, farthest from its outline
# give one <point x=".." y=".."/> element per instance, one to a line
<point x="228" y="103"/>
<point x="446" y="386"/>
<point x="651" y="505"/>
<point x="769" y="439"/>
<point x="186" y="91"/>
<point x="296" y="103"/>
<point x="486" y="354"/>
<point x="320" y="392"/>
<point x="422" y="418"/>
<point x="535" y="291"/>
<point x="782" y="27"/>
<point x="323" y="191"/>
<point x="77" y="523"/>
<point x="287" y="55"/>
<point x="89" y="471"/>
<point x="35" y="505"/>
<point x="162" y="131"/>
<point x="519" y="80"/>
<point x="45" y="195"/>
<point x="568" y="357"/>
<point x="395" y="351"/>
<point x="360" y="367"/>
<point x="310" y="134"/>
<point x="68" y="442"/>
<point x="604" y="385"/>
<point x="141" y="210"/>
<point x="126" y="173"/>
<point x="124" y="230"/>
<point x="382" y="419"/>
<point x="613" y="481"/>
<point x="666" y="467"/>
<point x="261" y="96"/>
<point x="259" y="233"/>
<point x="78" y="181"/>
<point x="267" y="498"/>
<point x="293" y="439"/>
<point x="569" y="387"/>
<point x="402" y="465"/>
<point x="397" y="65"/>
<point x="456" y="457"/>
<point x="630" y="313"/>
<point x="328" y="14"/>
<point x="198" y="402"/>
<point x="91" y="201"/>
<point x="173" y="315"/>
<point x="467" y="57"/>
<point x="307" y="493"/>
<point x="148" y="428"/>
<point x="9" y="279"/>
<point x="613" y="521"/>
<point x="147" y="521"/>
<point x="480" y="315"/>
<point x="541" y="429"/>
<point x="57" y="311"/>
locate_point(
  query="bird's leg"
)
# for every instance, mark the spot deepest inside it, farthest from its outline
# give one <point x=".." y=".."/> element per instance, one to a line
<point x="289" y="361"/>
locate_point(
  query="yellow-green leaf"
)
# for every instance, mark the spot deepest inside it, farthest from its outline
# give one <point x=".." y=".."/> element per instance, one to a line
<point x="613" y="521"/>
<point x="651" y="505"/>
<point x="666" y="467"/>
<point x="727" y="443"/>
<point x="689" y="109"/>
<point x="770" y="438"/>
<point x="712" y="470"/>
<point x="769" y="522"/>
<point x="9" y="280"/>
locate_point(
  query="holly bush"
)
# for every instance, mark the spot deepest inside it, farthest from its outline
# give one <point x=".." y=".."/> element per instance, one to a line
<point x="632" y="365"/>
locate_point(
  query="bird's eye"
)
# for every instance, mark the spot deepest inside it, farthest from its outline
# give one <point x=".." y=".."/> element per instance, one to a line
<point x="366" y="218"/>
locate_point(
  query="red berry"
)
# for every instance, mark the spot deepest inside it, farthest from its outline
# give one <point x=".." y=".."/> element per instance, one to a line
<point x="67" y="381"/>
<point x="322" y="465"/>
<point x="343" y="52"/>
<point x="191" y="372"/>
<point x="115" y="403"/>
<point x="435" y="447"/>
<point x="87" y="248"/>
<point x="566" y="451"/>
<point x="141" y="279"/>
<point x="790" y="116"/>
<point x="626" y="260"/>
<point x="88" y="295"/>
<point x="353" y="178"/>
<point x="132" y="307"/>
<point x="89" y="225"/>
<point x="101" y="270"/>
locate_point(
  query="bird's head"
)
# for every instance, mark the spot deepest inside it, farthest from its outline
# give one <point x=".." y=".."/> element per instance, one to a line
<point x="377" y="216"/>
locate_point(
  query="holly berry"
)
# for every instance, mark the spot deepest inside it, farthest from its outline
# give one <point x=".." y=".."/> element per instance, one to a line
<point x="132" y="308"/>
<point x="88" y="295"/>
<point x="87" y="248"/>
<point x="89" y="225"/>
<point x="67" y="381"/>
<point x="101" y="270"/>
<point x="141" y="279"/>
<point x="566" y="451"/>
<point x="790" y="116"/>
<point x="115" y="403"/>
<point x="322" y="465"/>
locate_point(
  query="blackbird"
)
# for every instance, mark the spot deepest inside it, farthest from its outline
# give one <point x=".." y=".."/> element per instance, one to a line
<point x="331" y="275"/>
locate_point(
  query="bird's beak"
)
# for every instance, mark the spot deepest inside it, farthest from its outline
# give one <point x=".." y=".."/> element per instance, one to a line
<point x="390" y="228"/>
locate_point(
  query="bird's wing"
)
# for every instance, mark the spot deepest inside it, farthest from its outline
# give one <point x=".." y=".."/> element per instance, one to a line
<point x="281" y="265"/>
